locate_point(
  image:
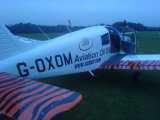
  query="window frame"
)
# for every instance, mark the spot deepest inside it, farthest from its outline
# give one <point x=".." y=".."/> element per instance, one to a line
<point x="105" y="39"/>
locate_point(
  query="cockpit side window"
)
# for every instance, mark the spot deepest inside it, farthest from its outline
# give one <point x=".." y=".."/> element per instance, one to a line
<point x="115" y="39"/>
<point x="105" y="39"/>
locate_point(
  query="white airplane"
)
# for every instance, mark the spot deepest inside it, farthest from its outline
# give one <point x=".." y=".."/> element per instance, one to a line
<point x="85" y="50"/>
<point x="97" y="47"/>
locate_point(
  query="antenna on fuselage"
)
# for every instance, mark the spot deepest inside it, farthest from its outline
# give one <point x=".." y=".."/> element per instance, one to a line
<point x="69" y="26"/>
<point x="41" y="30"/>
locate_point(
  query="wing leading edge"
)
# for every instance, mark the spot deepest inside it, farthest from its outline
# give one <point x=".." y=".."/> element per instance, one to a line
<point x="132" y="62"/>
<point x="25" y="99"/>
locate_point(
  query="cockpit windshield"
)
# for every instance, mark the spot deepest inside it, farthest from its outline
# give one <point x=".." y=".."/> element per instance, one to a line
<point x="125" y="42"/>
<point x="115" y="39"/>
<point x="105" y="39"/>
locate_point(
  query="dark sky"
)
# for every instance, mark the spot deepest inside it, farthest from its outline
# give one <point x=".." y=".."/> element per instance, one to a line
<point x="81" y="12"/>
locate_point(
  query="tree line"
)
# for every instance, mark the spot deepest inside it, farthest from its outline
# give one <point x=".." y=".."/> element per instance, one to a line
<point x="130" y="26"/>
<point x="123" y="26"/>
<point x="32" y="28"/>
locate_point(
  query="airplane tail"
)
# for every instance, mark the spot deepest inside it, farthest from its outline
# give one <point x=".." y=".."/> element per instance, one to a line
<point x="5" y="37"/>
<point x="11" y="44"/>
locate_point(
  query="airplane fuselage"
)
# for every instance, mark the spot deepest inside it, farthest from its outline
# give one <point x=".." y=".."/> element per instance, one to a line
<point x="76" y="52"/>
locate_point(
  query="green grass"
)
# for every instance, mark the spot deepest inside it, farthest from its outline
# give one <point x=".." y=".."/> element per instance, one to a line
<point x="113" y="95"/>
<point x="148" y="42"/>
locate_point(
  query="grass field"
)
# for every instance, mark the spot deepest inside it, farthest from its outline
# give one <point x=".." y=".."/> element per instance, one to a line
<point x="112" y="95"/>
<point x="148" y="42"/>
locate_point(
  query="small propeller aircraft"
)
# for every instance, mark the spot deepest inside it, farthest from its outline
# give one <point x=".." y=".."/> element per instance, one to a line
<point x="21" y="59"/>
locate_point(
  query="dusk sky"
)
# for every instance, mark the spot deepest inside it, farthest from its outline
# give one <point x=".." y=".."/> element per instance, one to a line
<point x="81" y="12"/>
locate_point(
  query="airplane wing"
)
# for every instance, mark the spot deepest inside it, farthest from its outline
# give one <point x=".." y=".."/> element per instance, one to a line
<point x="132" y="62"/>
<point x="24" y="99"/>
